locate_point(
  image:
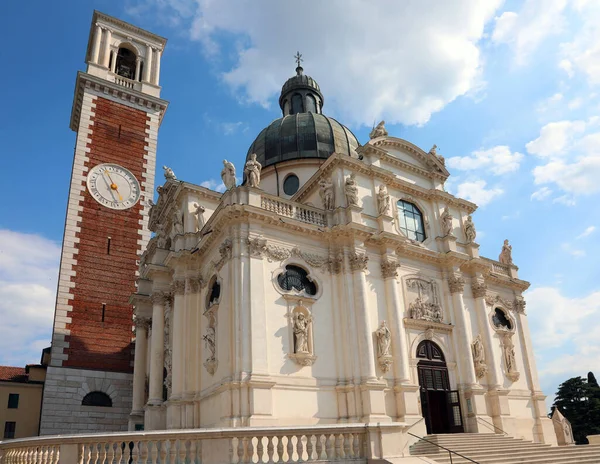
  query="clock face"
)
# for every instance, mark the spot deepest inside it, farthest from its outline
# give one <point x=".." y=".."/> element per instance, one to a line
<point x="113" y="186"/>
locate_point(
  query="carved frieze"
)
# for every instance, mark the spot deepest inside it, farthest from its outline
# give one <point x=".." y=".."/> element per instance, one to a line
<point x="389" y="268"/>
<point x="423" y="300"/>
<point x="494" y="300"/>
<point x="358" y="261"/>
<point x="456" y="283"/>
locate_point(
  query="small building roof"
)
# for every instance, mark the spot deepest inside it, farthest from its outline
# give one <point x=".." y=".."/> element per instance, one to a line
<point x="13" y="374"/>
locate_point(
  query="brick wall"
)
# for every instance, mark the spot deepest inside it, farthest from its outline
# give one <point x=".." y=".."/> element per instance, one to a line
<point x="97" y="338"/>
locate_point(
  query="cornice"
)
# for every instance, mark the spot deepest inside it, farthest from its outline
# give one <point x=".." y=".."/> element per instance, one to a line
<point x="425" y="325"/>
<point x="156" y="40"/>
<point x="87" y="81"/>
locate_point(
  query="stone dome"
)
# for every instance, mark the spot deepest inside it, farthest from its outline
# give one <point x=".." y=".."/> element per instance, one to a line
<point x="303" y="131"/>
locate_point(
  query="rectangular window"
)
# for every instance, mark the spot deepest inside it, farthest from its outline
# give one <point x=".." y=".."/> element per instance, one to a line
<point x="13" y="400"/>
<point x="9" y="429"/>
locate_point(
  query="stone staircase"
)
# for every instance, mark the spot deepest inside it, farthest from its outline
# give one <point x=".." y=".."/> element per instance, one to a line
<point x="490" y="448"/>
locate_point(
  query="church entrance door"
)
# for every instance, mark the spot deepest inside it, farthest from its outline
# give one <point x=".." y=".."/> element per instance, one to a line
<point x="440" y="405"/>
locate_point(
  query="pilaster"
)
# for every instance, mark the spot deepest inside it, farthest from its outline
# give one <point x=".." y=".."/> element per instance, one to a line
<point x="139" y="371"/>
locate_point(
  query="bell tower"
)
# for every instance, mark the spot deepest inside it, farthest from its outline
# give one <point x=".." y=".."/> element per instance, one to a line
<point x="117" y="111"/>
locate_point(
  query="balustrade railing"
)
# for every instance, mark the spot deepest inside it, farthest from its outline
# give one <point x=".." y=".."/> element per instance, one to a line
<point x="130" y="84"/>
<point x="234" y="446"/>
<point x="294" y="211"/>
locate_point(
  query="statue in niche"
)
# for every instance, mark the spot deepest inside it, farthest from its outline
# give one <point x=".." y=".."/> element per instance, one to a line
<point x="446" y="222"/>
<point x="425" y="305"/>
<point x="478" y="357"/>
<point x="199" y="213"/>
<point x="228" y="174"/>
<point x="383" y="201"/>
<point x="379" y="131"/>
<point x="351" y="190"/>
<point x="209" y="343"/>
<point x="252" y="171"/>
<point x="470" y="232"/>
<point x="384" y="340"/>
<point x="177" y="223"/>
<point x="161" y="236"/>
<point x="169" y="174"/>
<point x="301" y="324"/>
<point x="506" y="253"/>
<point x="326" y="193"/>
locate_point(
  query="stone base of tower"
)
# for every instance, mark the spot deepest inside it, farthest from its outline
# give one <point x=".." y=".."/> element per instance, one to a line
<point x="65" y="388"/>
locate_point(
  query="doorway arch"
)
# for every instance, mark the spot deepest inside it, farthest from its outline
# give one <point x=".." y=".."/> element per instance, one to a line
<point x="440" y="405"/>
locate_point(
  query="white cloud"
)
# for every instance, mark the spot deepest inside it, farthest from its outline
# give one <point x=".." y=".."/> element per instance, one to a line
<point x="365" y="76"/>
<point x="28" y="276"/>
<point x="549" y="103"/>
<point x="231" y="128"/>
<point x="566" y="200"/>
<point x="476" y="192"/>
<point x="555" y="138"/>
<point x="588" y="231"/>
<point x="541" y="194"/>
<point x="579" y="177"/>
<point x="575" y="103"/>
<point x="526" y="30"/>
<point x="213" y="184"/>
<point x="567" y="247"/>
<point x="498" y="160"/>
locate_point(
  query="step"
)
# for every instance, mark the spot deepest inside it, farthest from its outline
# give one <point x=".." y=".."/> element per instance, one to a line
<point x="470" y="447"/>
<point x="538" y="458"/>
<point x="481" y="451"/>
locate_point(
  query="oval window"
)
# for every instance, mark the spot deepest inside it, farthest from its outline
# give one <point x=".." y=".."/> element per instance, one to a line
<point x="291" y="184"/>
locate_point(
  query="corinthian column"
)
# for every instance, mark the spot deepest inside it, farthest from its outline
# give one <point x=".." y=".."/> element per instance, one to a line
<point x="157" y="349"/>
<point x="456" y="284"/>
<point x="479" y="290"/>
<point x="106" y="54"/>
<point x="139" y="367"/>
<point x="178" y="355"/>
<point x="96" y="44"/>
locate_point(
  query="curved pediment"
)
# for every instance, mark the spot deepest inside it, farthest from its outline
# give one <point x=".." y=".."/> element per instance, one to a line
<point x="405" y="153"/>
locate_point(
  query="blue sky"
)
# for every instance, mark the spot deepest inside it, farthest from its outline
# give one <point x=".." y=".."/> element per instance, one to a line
<point x="507" y="90"/>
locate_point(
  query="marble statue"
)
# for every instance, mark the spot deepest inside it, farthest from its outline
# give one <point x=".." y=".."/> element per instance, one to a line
<point x="478" y="357"/>
<point x="351" y="190"/>
<point x="199" y="213"/>
<point x="301" y="323"/>
<point x="446" y="222"/>
<point x="169" y="174"/>
<point x="470" y="232"/>
<point x="177" y="222"/>
<point x="161" y="236"/>
<point x="252" y="171"/>
<point x="379" y="131"/>
<point x="384" y="339"/>
<point x="506" y="253"/>
<point x="209" y="340"/>
<point x="228" y="174"/>
<point x="434" y="152"/>
<point x="326" y="192"/>
<point x="383" y="201"/>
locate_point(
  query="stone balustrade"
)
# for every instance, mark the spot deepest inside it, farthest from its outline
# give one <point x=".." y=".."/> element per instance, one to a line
<point x="325" y="443"/>
<point x="293" y="210"/>
<point x="128" y="83"/>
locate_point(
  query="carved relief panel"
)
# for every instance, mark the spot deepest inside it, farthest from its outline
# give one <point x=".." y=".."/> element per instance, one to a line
<point x="422" y="299"/>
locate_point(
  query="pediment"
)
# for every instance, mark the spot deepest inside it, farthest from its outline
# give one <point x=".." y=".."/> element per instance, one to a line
<point x="406" y="154"/>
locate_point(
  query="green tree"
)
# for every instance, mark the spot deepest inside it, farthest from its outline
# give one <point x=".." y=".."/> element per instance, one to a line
<point x="579" y="401"/>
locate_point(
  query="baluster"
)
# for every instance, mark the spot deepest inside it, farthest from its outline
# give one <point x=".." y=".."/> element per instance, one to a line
<point x="290" y="448"/>
<point x="259" y="448"/>
<point x="182" y="451"/>
<point x="356" y="445"/>
<point x="240" y="450"/>
<point x="270" y="449"/>
<point x="338" y="446"/>
<point x="118" y="452"/>
<point x="199" y="451"/>
<point x="126" y="452"/>
<point x="280" y="449"/>
<point x="300" y="448"/>
<point x="347" y="437"/>
<point x="173" y="451"/>
<point x="192" y="455"/>
<point x="102" y="455"/>
<point x="319" y="444"/>
<point x="309" y="447"/>
<point x="329" y="448"/>
<point x="135" y="451"/>
<point x="93" y="453"/>
<point x="110" y="456"/>
<point x="144" y="451"/>
<point x="162" y="452"/>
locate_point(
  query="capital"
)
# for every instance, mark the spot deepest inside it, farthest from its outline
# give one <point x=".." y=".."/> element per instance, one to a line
<point x="194" y="284"/>
<point x="358" y="262"/>
<point x="456" y="283"/>
<point x="479" y="289"/>
<point x="519" y="305"/>
<point x="178" y="287"/>
<point x="158" y="298"/>
<point x="142" y="322"/>
<point x="389" y="268"/>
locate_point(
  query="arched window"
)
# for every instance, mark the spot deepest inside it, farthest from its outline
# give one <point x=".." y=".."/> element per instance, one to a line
<point x="430" y="351"/>
<point x="97" y="398"/>
<point x="311" y="104"/>
<point x="125" y="65"/>
<point x="297" y="106"/>
<point x="411" y="221"/>
<point x="296" y="278"/>
<point x="500" y="320"/>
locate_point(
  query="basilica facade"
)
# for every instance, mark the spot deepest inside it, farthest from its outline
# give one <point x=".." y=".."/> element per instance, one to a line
<point x="338" y="283"/>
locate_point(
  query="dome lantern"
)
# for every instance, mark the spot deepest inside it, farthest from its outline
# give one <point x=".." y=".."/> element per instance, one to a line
<point x="300" y="93"/>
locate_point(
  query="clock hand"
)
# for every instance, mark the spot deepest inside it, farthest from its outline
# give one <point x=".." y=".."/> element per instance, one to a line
<point x="113" y="186"/>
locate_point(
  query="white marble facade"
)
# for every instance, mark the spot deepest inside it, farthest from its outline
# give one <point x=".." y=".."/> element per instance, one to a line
<point x="231" y="347"/>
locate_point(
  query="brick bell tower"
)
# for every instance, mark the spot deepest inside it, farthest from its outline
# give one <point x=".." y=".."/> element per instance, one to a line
<point x="116" y="114"/>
